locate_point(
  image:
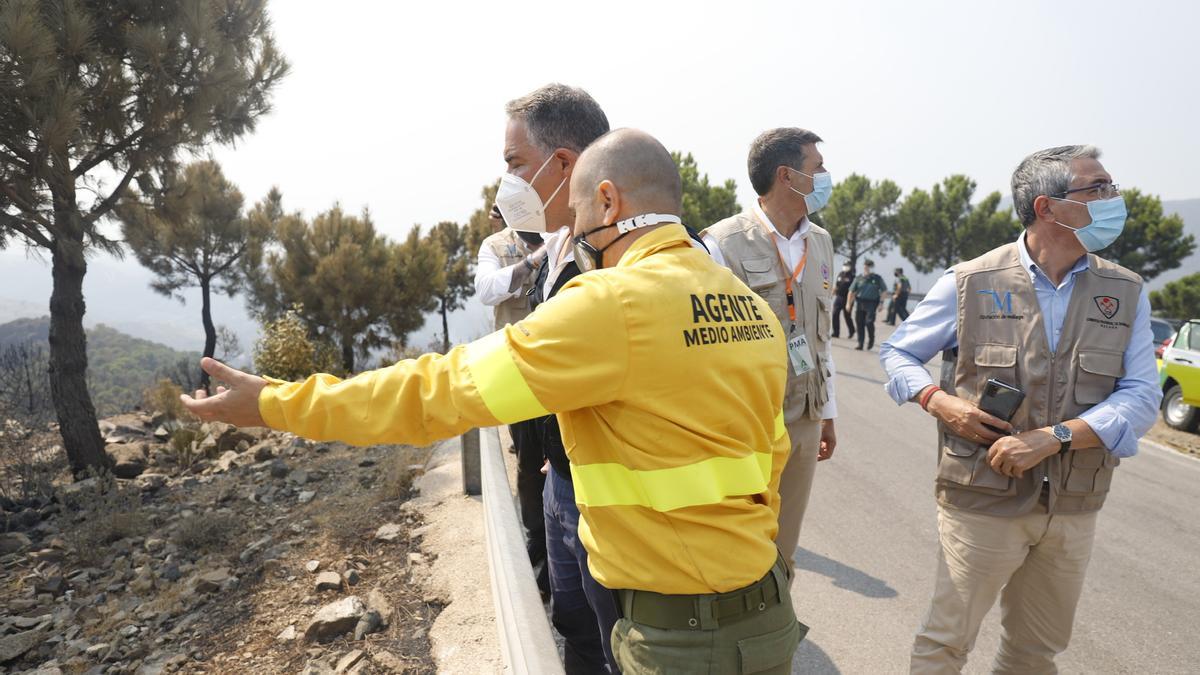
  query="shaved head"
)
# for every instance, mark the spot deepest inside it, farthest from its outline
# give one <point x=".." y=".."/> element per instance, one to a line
<point x="637" y="165"/>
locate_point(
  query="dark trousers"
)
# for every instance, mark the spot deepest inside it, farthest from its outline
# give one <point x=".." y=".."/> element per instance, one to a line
<point x="583" y="611"/>
<point x="839" y="309"/>
<point x="864" y="316"/>
<point x="902" y="307"/>
<point x="527" y="437"/>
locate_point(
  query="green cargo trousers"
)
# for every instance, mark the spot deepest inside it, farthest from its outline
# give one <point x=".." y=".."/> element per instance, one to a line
<point x="757" y="641"/>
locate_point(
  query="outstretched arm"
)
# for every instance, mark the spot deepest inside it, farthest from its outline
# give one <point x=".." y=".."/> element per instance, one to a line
<point x="559" y="358"/>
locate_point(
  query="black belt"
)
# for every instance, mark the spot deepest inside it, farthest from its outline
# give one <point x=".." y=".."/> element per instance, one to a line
<point x="708" y="611"/>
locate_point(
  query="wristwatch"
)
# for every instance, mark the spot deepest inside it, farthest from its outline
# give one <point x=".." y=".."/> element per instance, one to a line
<point x="1063" y="433"/>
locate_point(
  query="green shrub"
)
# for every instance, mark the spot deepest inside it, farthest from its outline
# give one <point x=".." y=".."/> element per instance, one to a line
<point x="286" y="351"/>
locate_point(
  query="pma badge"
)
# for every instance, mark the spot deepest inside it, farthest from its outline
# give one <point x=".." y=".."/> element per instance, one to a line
<point x="1108" y="305"/>
<point x="825" y="276"/>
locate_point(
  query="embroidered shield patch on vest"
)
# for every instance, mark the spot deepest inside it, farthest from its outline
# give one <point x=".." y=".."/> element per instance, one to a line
<point x="1108" y="305"/>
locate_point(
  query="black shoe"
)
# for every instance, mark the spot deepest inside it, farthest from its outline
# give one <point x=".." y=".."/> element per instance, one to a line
<point x="836" y="335"/>
<point x="858" y="348"/>
<point x="850" y="336"/>
<point x="871" y="346"/>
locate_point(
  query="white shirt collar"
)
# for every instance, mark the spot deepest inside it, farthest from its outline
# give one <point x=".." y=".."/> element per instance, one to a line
<point x="800" y="233"/>
<point x="556" y="240"/>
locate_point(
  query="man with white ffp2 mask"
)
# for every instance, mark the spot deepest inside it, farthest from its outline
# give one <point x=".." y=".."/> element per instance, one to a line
<point x="546" y="132"/>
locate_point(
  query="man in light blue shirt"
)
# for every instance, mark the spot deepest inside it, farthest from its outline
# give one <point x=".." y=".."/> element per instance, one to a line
<point x="1017" y="501"/>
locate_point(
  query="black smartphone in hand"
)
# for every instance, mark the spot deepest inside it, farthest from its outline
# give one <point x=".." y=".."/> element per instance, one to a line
<point x="1000" y="399"/>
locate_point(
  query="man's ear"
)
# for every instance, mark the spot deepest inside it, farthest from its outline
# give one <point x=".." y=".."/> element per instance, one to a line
<point x="783" y="177"/>
<point x="1041" y="208"/>
<point x="566" y="159"/>
<point x="610" y="201"/>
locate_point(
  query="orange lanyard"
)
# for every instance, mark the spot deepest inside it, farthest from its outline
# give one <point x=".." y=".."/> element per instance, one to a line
<point x="791" y="280"/>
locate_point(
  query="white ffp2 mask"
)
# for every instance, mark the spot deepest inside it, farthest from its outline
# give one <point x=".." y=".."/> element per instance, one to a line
<point x="520" y="204"/>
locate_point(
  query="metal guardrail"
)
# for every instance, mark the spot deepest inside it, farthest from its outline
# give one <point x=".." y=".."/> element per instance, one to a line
<point x="525" y="637"/>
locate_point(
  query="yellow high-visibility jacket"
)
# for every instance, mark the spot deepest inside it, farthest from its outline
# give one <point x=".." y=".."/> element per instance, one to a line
<point x="667" y="374"/>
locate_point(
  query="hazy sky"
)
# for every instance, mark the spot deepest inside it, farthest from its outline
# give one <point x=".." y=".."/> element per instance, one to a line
<point x="399" y="106"/>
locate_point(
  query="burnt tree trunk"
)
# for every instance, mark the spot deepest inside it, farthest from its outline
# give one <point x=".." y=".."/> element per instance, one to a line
<point x="348" y="354"/>
<point x="210" y="331"/>
<point x="445" y="329"/>
<point x="68" y="355"/>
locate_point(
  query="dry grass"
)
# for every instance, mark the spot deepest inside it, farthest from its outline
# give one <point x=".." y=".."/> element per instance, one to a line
<point x="183" y="445"/>
<point x="163" y="397"/>
<point x="107" y="512"/>
<point x="206" y="532"/>
<point x="31" y="463"/>
<point x="348" y="517"/>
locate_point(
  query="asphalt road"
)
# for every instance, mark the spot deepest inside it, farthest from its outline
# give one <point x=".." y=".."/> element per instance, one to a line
<point x="867" y="555"/>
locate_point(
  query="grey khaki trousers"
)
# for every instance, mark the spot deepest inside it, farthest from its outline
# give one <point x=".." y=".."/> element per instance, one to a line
<point x="795" y="485"/>
<point x="1034" y="563"/>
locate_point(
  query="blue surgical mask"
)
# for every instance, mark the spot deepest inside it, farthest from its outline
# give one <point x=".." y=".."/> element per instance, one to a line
<point x="822" y="188"/>
<point x="1108" y="221"/>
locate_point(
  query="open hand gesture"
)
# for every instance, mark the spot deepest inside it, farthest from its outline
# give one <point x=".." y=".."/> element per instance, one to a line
<point x="236" y="404"/>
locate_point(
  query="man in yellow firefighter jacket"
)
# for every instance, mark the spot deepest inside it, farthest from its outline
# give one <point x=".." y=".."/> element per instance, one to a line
<point x="667" y="375"/>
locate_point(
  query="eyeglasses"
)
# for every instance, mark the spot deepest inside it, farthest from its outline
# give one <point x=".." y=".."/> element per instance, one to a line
<point x="1100" y="190"/>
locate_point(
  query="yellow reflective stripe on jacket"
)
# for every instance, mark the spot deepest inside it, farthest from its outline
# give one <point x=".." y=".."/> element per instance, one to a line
<point x="706" y="482"/>
<point x="500" y="385"/>
<point x="780" y="427"/>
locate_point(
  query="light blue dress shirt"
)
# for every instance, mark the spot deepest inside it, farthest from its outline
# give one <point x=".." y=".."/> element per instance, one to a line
<point x="1119" y="420"/>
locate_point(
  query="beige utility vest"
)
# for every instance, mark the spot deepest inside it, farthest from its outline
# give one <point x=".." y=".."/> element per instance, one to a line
<point x="1001" y="335"/>
<point x="749" y="250"/>
<point x="511" y="249"/>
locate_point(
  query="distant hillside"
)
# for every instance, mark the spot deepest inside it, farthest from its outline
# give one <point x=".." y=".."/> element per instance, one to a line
<point x="120" y="367"/>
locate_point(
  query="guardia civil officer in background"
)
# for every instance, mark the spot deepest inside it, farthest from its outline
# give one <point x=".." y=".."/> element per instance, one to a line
<point x="678" y="507"/>
<point x="1017" y="507"/>
<point x="783" y="256"/>
<point x="557" y="120"/>
<point x="898" y="303"/>
<point x="841" y="291"/>
<point x="865" y="295"/>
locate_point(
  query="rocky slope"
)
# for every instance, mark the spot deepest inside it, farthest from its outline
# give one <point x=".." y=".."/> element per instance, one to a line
<point x="237" y="551"/>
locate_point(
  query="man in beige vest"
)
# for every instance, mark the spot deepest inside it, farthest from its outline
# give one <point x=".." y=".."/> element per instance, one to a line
<point x="787" y="259"/>
<point x="1017" y="510"/>
<point x="505" y="269"/>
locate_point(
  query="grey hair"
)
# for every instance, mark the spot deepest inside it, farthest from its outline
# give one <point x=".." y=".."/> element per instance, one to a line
<point x="1045" y="172"/>
<point x="775" y="148"/>
<point x="559" y="116"/>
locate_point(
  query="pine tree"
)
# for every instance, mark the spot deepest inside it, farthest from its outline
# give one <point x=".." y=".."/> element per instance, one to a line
<point x="348" y="283"/>
<point x="942" y="227"/>
<point x="96" y="95"/>
<point x="861" y="216"/>
<point x="451" y="239"/>
<point x="420" y="278"/>
<point x="703" y="203"/>
<point x="193" y="234"/>
<point x="1151" y="243"/>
